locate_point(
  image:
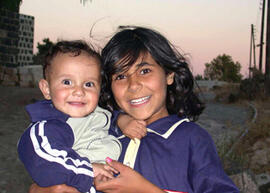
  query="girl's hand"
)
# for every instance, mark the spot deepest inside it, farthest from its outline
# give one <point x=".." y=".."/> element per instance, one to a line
<point x="131" y="127"/>
<point x="62" y="188"/>
<point x="128" y="181"/>
<point x="103" y="169"/>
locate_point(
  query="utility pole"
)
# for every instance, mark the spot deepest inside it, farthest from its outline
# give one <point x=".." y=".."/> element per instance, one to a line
<point x="261" y="42"/>
<point x="252" y="50"/>
<point x="250" y="53"/>
<point x="254" y="47"/>
<point x="267" y="58"/>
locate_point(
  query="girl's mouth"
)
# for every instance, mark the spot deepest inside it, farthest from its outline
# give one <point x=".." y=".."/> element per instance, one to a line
<point x="139" y="100"/>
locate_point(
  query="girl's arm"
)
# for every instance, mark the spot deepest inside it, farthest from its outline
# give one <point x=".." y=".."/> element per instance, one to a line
<point x="62" y="188"/>
<point x="131" y="127"/>
<point x="136" y="182"/>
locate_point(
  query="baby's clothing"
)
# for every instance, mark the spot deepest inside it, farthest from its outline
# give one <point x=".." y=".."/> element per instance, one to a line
<point x="58" y="149"/>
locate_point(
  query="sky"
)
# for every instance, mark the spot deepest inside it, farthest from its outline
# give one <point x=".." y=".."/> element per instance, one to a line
<point x="200" y="29"/>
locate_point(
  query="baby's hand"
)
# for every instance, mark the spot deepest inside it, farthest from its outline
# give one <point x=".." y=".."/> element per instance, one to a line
<point x="131" y="127"/>
<point x="103" y="170"/>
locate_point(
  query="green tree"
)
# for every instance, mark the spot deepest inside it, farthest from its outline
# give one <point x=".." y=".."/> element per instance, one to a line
<point x="223" y="68"/>
<point x="12" y="5"/>
<point x="252" y="88"/>
<point x="84" y="1"/>
<point x="198" y="77"/>
<point x="43" y="49"/>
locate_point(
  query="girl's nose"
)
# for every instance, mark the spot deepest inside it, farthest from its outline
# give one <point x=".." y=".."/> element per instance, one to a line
<point x="134" y="83"/>
<point x="78" y="91"/>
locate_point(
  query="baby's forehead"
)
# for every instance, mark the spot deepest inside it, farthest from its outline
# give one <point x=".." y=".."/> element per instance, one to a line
<point x="60" y="57"/>
<point x="81" y="53"/>
<point x="64" y="60"/>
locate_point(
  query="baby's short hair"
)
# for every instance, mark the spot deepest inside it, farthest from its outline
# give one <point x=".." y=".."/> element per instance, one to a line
<point x="74" y="47"/>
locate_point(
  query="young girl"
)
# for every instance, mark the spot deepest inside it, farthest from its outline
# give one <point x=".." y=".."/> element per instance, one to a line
<point x="150" y="82"/>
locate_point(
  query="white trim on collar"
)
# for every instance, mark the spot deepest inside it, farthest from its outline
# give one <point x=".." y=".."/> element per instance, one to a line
<point x="170" y="131"/>
<point x="133" y="146"/>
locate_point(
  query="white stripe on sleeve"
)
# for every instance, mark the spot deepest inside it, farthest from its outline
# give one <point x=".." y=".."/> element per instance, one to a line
<point x="54" y="155"/>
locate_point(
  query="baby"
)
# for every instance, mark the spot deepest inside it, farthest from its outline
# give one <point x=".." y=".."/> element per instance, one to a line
<point x="68" y="141"/>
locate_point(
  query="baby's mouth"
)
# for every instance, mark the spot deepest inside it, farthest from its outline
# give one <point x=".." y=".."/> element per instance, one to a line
<point x="76" y="103"/>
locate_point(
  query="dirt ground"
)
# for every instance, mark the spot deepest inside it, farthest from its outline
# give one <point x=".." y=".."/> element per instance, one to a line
<point x="14" y="120"/>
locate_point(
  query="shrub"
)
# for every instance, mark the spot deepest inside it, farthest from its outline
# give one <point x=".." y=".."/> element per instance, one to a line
<point x="253" y="88"/>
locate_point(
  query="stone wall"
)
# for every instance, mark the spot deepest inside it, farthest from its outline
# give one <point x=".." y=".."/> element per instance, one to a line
<point x="24" y="76"/>
<point x="207" y="85"/>
<point x="30" y="75"/>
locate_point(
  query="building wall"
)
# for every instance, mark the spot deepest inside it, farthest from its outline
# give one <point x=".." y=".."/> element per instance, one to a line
<point x="16" y="49"/>
<point x="26" y="38"/>
<point x="9" y="37"/>
<point x="30" y="75"/>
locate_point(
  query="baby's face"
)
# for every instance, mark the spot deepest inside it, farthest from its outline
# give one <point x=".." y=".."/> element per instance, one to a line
<point x="74" y="84"/>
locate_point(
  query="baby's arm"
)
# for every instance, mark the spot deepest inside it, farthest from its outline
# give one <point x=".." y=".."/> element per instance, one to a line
<point x="61" y="188"/>
<point x="131" y="127"/>
<point x="46" y="152"/>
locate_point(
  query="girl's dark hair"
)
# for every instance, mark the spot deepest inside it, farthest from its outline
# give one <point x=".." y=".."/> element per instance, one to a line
<point x="127" y="45"/>
<point x="74" y="47"/>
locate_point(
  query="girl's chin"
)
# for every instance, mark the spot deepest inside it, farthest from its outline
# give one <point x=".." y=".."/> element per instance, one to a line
<point x="146" y="118"/>
<point x="139" y="116"/>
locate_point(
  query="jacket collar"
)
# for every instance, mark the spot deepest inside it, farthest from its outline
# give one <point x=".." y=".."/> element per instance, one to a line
<point x="44" y="110"/>
<point x="165" y="126"/>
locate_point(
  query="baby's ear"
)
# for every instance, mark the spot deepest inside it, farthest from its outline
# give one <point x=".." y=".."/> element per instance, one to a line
<point x="170" y="78"/>
<point x="45" y="89"/>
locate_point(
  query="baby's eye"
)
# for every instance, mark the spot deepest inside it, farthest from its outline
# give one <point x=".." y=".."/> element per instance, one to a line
<point x="89" y="84"/>
<point x="145" y="71"/>
<point x="66" y="82"/>
<point x="120" y="77"/>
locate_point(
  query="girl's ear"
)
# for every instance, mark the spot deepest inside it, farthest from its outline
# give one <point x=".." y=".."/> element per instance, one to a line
<point x="44" y="87"/>
<point x="170" y="78"/>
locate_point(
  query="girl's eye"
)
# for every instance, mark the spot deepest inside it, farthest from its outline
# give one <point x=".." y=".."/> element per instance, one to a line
<point x="89" y="84"/>
<point x="145" y="71"/>
<point x="120" y="77"/>
<point x="66" y="82"/>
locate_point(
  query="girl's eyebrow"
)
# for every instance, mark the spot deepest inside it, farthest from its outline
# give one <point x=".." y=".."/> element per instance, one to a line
<point x="139" y="65"/>
<point x="143" y="64"/>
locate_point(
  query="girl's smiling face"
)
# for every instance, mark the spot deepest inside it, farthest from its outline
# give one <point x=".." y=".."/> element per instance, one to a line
<point x="141" y="90"/>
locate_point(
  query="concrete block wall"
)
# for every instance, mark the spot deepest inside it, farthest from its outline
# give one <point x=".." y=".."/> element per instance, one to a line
<point x="26" y="39"/>
<point x="9" y="37"/>
<point x="30" y="75"/>
<point x="24" y="76"/>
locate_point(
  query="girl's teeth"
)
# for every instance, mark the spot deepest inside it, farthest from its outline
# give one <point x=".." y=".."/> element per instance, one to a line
<point x="140" y="100"/>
